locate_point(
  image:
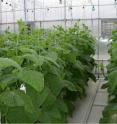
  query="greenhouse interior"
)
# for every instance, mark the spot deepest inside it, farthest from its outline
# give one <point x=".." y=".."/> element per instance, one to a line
<point x="58" y="61"/>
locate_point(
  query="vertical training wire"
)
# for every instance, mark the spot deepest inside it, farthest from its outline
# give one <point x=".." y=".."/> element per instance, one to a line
<point x="25" y="15"/>
<point x="1" y="15"/>
<point x="116" y="8"/>
<point x="65" y="19"/>
<point x="84" y="12"/>
<point x="43" y="14"/>
<point x="71" y="10"/>
<point x="34" y="9"/>
<point x="98" y="42"/>
<point x="13" y="10"/>
<point x="92" y="20"/>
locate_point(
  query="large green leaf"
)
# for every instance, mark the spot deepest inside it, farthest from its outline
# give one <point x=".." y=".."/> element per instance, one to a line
<point x="52" y="61"/>
<point x="30" y="57"/>
<point x="27" y="50"/>
<point x="43" y="96"/>
<point x="17" y="99"/>
<point x="11" y="99"/>
<point x="5" y="62"/>
<point x="7" y="80"/>
<point x="33" y="78"/>
<point x="19" y="115"/>
<point x="113" y="82"/>
<point x="110" y="114"/>
<point x="114" y="55"/>
<point x="54" y="83"/>
<point x="52" y="55"/>
<point x="69" y="85"/>
<point x="51" y="115"/>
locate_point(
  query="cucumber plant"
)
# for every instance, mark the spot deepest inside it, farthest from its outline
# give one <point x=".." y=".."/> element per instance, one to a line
<point x="110" y="112"/>
<point x="53" y="65"/>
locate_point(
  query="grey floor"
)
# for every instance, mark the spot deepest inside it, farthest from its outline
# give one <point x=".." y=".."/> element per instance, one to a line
<point x="90" y="109"/>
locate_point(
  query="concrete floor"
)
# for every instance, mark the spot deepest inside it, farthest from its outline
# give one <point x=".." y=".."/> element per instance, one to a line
<point x="90" y="109"/>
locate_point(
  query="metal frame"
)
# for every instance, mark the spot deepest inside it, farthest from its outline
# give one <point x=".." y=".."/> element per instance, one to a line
<point x="57" y="20"/>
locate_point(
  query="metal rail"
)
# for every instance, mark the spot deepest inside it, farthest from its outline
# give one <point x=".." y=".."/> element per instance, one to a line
<point x="59" y="20"/>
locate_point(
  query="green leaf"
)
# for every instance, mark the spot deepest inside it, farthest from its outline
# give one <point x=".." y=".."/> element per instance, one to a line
<point x="110" y="114"/>
<point x="61" y="105"/>
<point x="51" y="115"/>
<point x="114" y="55"/>
<point x="69" y="85"/>
<point x="92" y="76"/>
<point x="43" y="96"/>
<point x="37" y="60"/>
<point x="49" y="101"/>
<point x="52" y="61"/>
<point x="5" y="62"/>
<point x="40" y="60"/>
<point x="113" y="82"/>
<point x="33" y="78"/>
<point x="7" y="79"/>
<point x="30" y="57"/>
<point x="19" y="115"/>
<point x="15" y="99"/>
<point x="27" y="50"/>
<point x="54" y="83"/>
<point x="52" y="55"/>
<point x="11" y="99"/>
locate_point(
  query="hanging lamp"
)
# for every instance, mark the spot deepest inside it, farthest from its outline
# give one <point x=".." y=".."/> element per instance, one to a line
<point x="93" y="8"/>
<point x="60" y="1"/>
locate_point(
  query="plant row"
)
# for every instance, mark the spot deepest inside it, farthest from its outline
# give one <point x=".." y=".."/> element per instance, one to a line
<point x="110" y="112"/>
<point x="42" y="72"/>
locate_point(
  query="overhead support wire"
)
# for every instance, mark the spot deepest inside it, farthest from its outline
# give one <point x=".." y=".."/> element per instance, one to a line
<point x="58" y="7"/>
